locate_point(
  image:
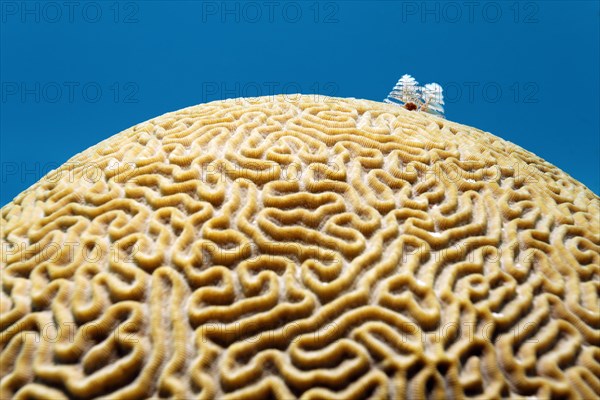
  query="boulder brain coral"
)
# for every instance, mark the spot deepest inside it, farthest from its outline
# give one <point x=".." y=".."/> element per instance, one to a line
<point x="298" y="247"/>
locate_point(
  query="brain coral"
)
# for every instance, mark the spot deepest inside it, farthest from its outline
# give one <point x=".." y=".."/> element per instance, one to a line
<point x="301" y="247"/>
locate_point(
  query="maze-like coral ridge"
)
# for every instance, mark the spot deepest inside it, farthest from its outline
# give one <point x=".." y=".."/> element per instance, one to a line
<point x="301" y="247"/>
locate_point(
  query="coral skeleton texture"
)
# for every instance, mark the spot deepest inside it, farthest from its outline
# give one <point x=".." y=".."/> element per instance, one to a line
<point x="301" y="247"/>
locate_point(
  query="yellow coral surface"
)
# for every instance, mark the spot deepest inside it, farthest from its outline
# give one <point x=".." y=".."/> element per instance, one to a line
<point x="297" y="246"/>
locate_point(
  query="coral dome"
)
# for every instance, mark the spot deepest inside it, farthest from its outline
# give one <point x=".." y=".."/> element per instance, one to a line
<point x="301" y="247"/>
